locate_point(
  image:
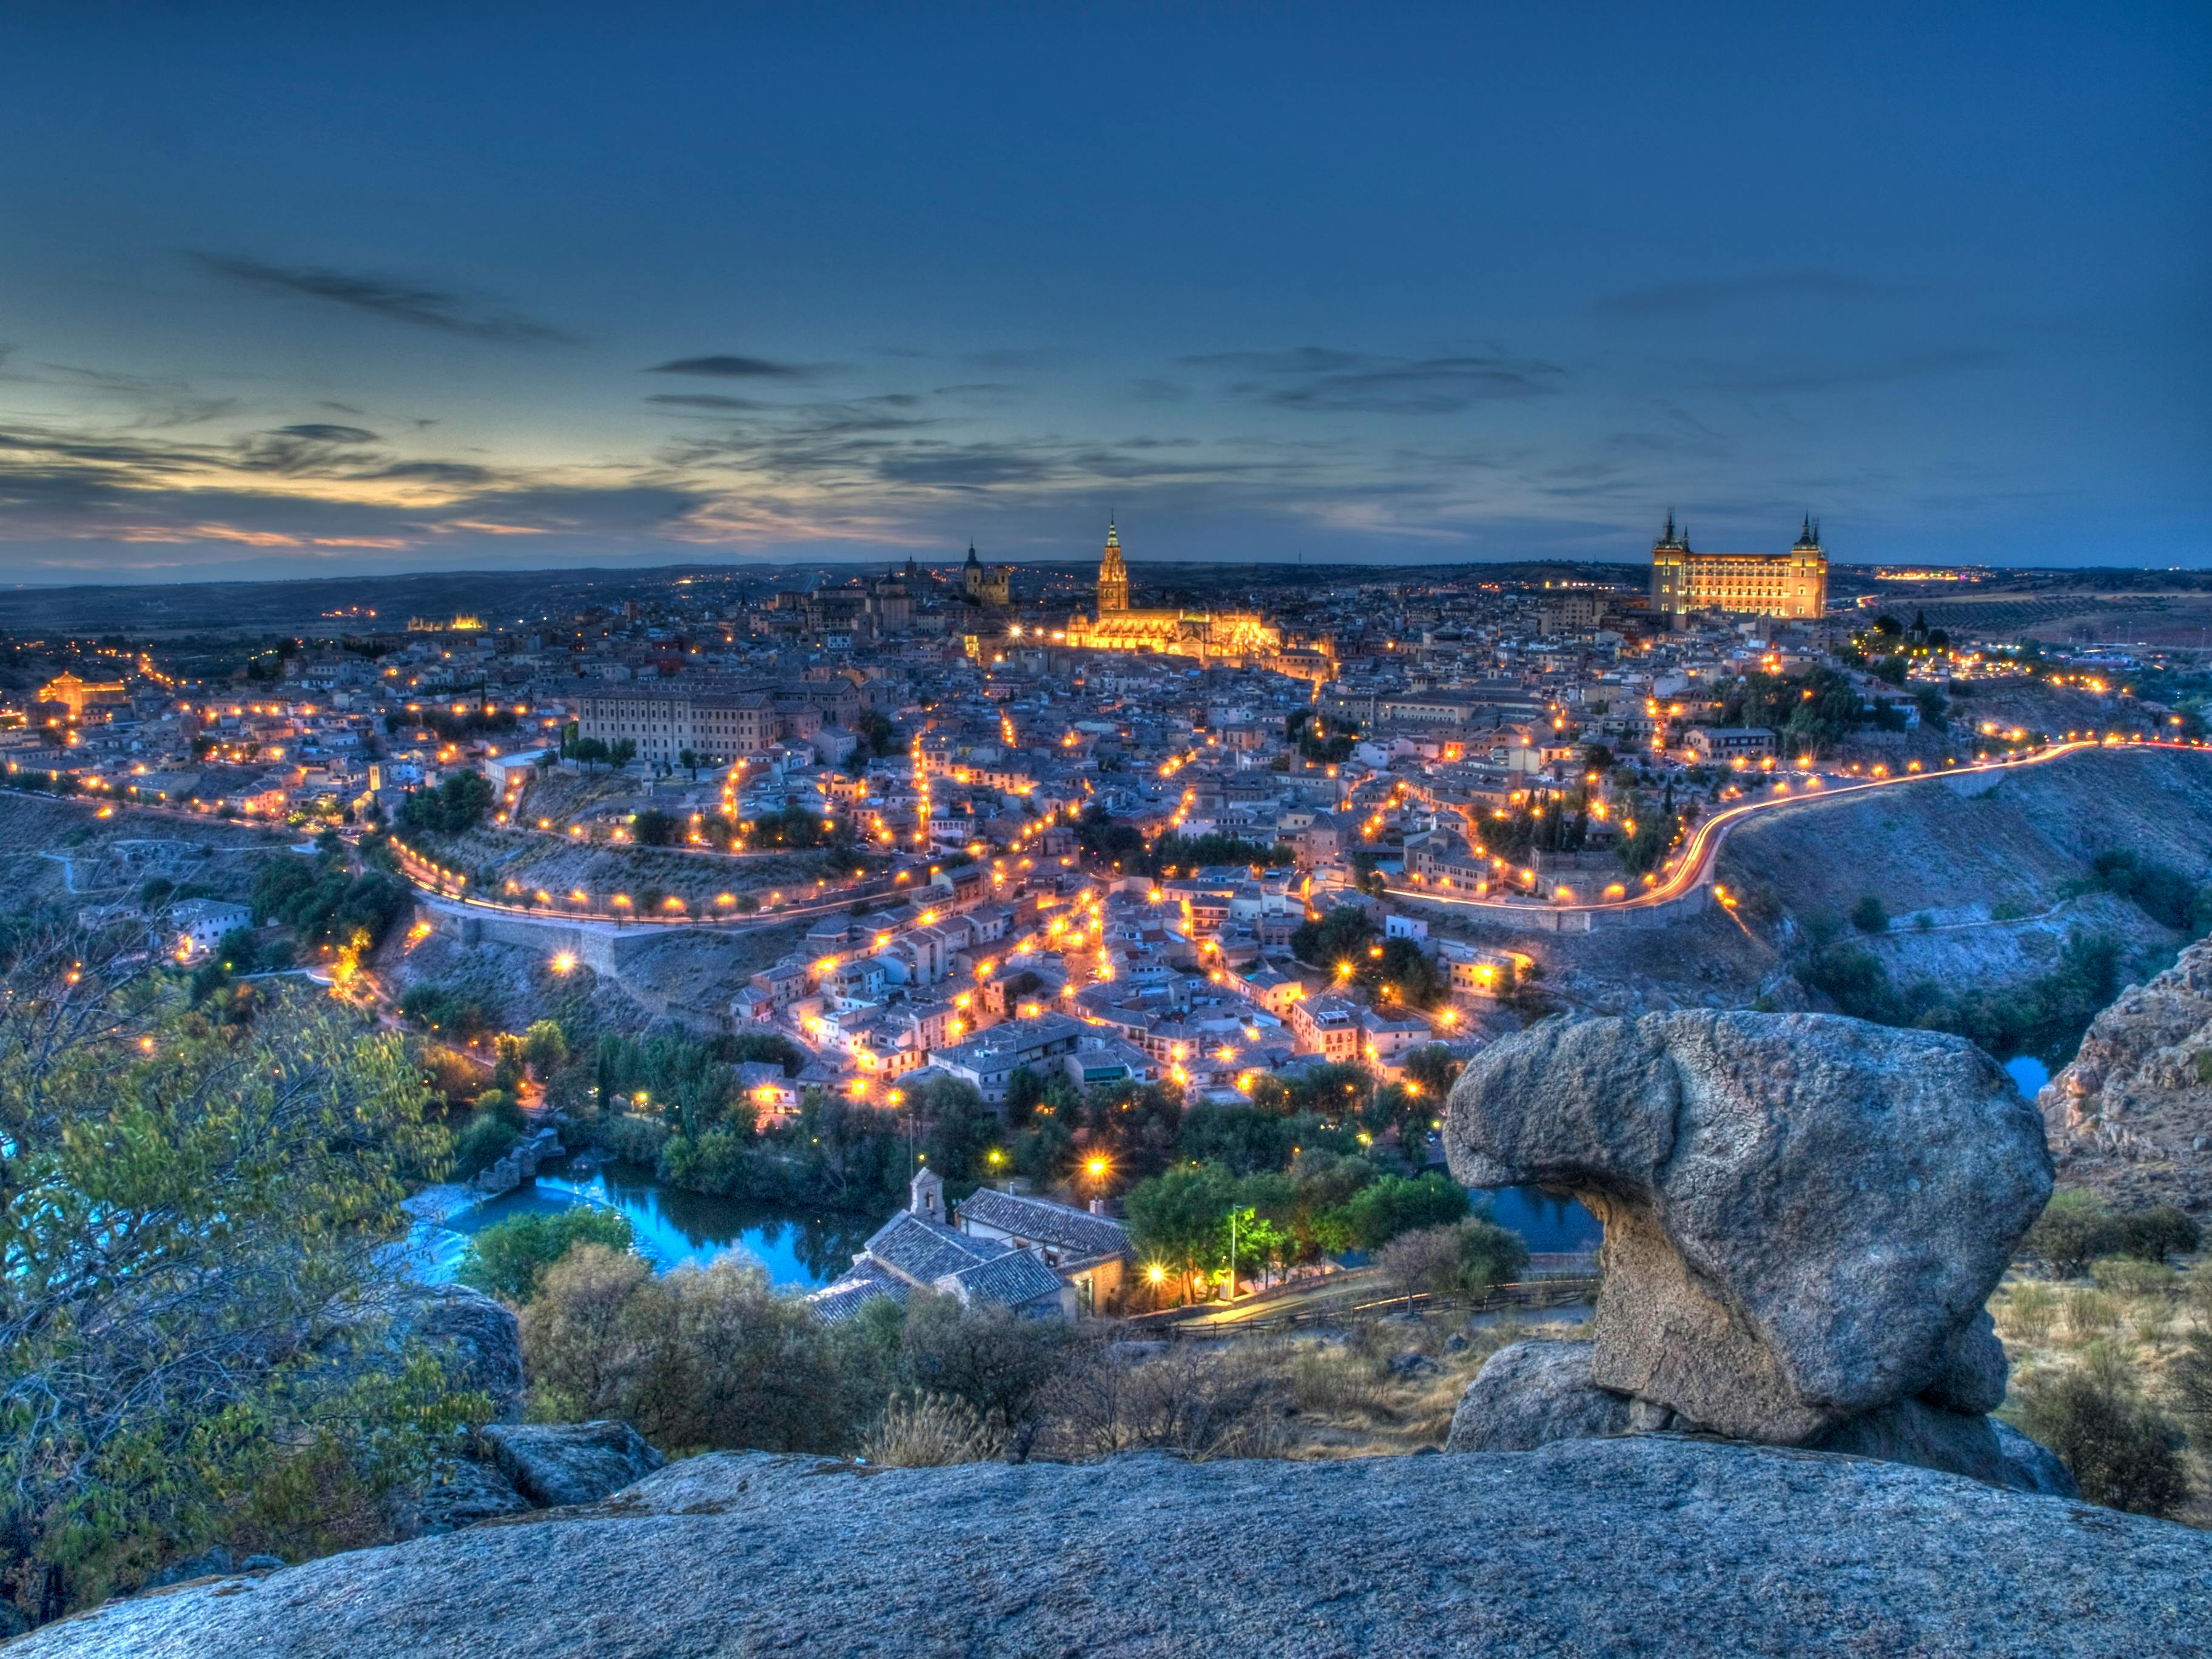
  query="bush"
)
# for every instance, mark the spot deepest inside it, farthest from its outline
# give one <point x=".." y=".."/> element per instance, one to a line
<point x="2154" y="1234"/>
<point x="932" y="1431"/>
<point x="631" y="1138"/>
<point x="990" y="1356"/>
<point x="2189" y="1378"/>
<point x="483" y="1141"/>
<point x="2078" y="1228"/>
<point x="704" y="1357"/>
<point x="510" y="1258"/>
<point x="2124" y="1452"/>
<point x="1869" y="915"/>
<point x="2074" y="1229"/>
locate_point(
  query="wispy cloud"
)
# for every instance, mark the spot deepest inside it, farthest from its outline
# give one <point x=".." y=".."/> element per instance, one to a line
<point x="736" y="368"/>
<point x="1868" y="371"/>
<point x="1319" y="379"/>
<point x="394" y="298"/>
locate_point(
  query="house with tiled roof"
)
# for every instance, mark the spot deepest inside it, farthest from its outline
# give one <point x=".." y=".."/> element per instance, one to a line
<point x="1088" y="1249"/>
<point x="920" y="1249"/>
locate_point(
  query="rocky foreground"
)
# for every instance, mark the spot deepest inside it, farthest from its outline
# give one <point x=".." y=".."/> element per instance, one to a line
<point x="2131" y="1117"/>
<point x="1651" y="1544"/>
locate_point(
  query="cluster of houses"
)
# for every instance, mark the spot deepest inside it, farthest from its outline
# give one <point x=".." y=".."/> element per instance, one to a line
<point x="1000" y="1248"/>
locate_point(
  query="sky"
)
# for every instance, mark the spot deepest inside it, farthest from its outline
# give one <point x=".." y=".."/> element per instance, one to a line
<point x="317" y="290"/>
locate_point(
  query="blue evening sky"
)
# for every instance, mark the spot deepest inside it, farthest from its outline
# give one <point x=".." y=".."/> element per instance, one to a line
<point x="321" y="289"/>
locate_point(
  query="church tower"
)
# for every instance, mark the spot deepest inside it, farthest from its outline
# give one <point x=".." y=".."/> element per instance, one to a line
<point x="1113" y="575"/>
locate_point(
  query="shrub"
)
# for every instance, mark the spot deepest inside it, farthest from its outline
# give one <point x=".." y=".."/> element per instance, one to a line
<point x="2075" y="1228"/>
<point x="2154" y="1234"/>
<point x="2124" y="1452"/>
<point x="995" y="1359"/>
<point x="2190" y="1379"/>
<point x="2031" y="1308"/>
<point x="932" y="1431"/>
<point x="510" y="1258"/>
<point x="1869" y="915"/>
<point x="633" y="1139"/>
<point x="483" y="1141"/>
<point x="706" y="1357"/>
<point x="2089" y="1313"/>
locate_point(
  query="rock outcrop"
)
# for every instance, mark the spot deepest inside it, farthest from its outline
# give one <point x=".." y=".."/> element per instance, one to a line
<point x="1534" y="1393"/>
<point x="1594" y="1547"/>
<point x="551" y="1464"/>
<point x="2131" y="1117"/>
<point x="1530" y="1394"/>
<point x="1804" y="1214"/>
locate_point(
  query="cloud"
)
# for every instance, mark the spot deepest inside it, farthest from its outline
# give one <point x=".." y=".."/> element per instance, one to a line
<point x="389" y="298"/>
<point x="322" y="432"/>
<point x="735" y="368"/>
<point x="709" y="401"/>
<point x="1318" y="379"/>
<point x="1679" y="300"/>
<point x="1839" y="377"/>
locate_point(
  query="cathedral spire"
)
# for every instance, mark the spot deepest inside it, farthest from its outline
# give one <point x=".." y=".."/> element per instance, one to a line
<point x="1112" y="573"/>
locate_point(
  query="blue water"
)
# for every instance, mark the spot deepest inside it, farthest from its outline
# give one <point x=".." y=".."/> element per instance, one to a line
<point x="2030" y="1073"/>
<point x="1547" y="1224"/>
<point x="800" y="1251"/>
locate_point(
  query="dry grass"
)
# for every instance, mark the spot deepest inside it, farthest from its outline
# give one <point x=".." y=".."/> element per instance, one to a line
<point x="1382" y="1387"/>
<point x="932" y="1431"/>
<point x="2128" y="1318"/>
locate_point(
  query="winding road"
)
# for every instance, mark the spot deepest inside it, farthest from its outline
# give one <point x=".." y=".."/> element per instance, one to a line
<point x="1692" y="867"/>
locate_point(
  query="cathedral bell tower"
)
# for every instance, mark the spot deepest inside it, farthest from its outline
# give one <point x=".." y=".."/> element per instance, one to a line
<point x="1113" y="574"/>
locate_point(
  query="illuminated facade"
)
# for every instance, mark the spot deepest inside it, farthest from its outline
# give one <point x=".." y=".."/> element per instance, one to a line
<point x="79" y="694"/>
<point x="1209" y="636"/>
<point x="1792" y="585"/>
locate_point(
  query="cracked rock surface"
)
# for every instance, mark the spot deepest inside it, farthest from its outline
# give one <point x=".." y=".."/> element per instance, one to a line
<point x="1591" y="1548"/>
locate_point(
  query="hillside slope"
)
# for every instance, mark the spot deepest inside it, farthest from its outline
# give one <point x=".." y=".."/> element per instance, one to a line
<point x="1990" y="864"/>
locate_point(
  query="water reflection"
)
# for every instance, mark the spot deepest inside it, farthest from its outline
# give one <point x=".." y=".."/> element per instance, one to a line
<point x="798" y="1250"/>
<point x="1547" y="1223"/>
<point x="2030" y="1073"/>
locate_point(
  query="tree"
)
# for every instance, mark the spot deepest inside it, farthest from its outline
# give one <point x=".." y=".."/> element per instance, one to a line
<point x="1392" y="1204"/>
<point x="544" y="1046"/>
<point x="622" y="752"/>
<point x="457" y="805"/>
<point x="1339" y="936"/>
<point x="689" y="760"/>
<point x="510" y="1258"/>
<point x="655" y="828"/>
<point x="1179" y="1220"/>
<point x="1869" y="915"/>
<point x="191" y="1214"/>
<point x="1421" y="1262"/>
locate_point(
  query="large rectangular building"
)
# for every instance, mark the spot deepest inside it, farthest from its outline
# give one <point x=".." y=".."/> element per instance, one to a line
<point x="714" y="717"/>
<point x="1792" y="585"/>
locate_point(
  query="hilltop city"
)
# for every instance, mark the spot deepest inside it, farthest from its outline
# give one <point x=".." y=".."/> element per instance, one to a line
<point x="1047" y="822"/>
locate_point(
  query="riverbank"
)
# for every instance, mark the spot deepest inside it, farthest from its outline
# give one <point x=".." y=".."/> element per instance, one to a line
<point x="798" y="1249"/>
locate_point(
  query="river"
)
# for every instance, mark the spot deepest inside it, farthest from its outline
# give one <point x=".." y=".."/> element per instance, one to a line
<point x="800" y="1250"/>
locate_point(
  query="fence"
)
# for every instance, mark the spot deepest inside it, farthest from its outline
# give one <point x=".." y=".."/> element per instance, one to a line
<point x="1201" y="1322"/>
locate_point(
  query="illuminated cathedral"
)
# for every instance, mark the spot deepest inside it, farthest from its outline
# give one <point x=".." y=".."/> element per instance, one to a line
<point x="1234" y="637"/>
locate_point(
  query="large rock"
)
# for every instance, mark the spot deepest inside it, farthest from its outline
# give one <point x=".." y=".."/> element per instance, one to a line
<point x="459" y="1492"/>
<point x="557" y="1463"/>
<point x="1588" y="1548"/>
<point x="2131" y="1117"/>
<point x="1530" y="1394"/>
<point x="476" y="1336"/>
<point x="1804" y="1214"/>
